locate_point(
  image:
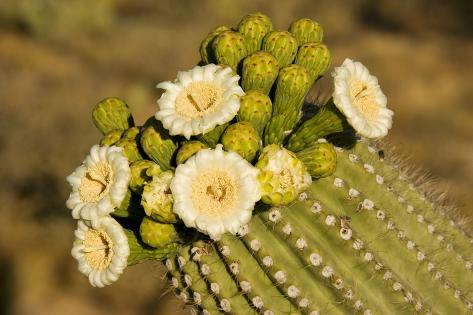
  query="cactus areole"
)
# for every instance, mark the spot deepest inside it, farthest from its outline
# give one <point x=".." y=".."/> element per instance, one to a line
<point x="256" y="205"/>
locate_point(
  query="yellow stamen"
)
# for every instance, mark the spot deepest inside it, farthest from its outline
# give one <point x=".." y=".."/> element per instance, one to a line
<point x="96" y="182"/>
<point x="197" y="99"/>
<point x="363" y="98"/>
<point x="98" y="249"/>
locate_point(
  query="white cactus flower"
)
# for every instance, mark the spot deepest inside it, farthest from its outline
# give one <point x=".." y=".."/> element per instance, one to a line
<point x="199" y="100"/>
<point x="101" y="249"/>
<point x="215" y="192"/>
<point x="100" y="184"/>
<point x="358" y="96"/>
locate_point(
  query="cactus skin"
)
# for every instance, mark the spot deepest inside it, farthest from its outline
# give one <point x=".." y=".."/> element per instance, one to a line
<point x="241" y="138"/>
<point x="206" y="51"/>
<point x="300" y="258"/>
<point x="188" y="149"/>
<point x="212" y="137"/>
<point x="157" y="143"/>
<point x="327" y="121"/>
<point x="306" y="30"/>
<point x="281" y="45"/>
<point x="259" y="72"/>
<point x="316" y="58"/>
<point x="229" y="48"/>
<point x="112" y="114"/>
<point x="254" y="28"/>
<point x="319" y="158"/>
<point x="255" y="108"/>
<point x="291" y="88"/>
<point x="156" y="234"/>
<point x="112" y="137"/>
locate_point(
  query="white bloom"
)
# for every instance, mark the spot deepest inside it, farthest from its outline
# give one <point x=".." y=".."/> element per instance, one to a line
<point x="101" y="248"/>
<point x="358" y="96"/>
<point x="100" y="184"/>
<point x="198" y="100"/>
<point x="215" y="192"/>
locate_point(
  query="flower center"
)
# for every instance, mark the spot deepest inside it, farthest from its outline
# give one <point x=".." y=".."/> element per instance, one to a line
<point x="285" y="178"/>
<point x="197" y="99"/>
<point x="98" y="249"/>
<point x="363" y="98"/>
<point x="96" y="182"/>
<point x="214" y="192"/>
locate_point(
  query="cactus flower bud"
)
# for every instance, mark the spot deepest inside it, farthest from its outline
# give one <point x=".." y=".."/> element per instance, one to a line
<point x="319" y="158"/>
<point x="110" y="138"/>
<point x="259" y="72"/>
<point x="291" y="88"/>
<point x="112" y="114"/>
<point x="142" y="171"/>
<point x="316" y="58"/>
<point x="229" y="48"/>
<point x="206" y="52"/>
<point x="157" y="143"/>
<point x="188" y="149"/>
<point x="157" y="234"/>
<point x="254" y="28"/>
<point x="130" y="149"/>
<point x="241" y="138"/>
<point x="132" y="133"/>
<point x="306" y="30"/>
<point x="255" y="108"/>
<point x="157" y="198"/>
<point x="281" y="45"/>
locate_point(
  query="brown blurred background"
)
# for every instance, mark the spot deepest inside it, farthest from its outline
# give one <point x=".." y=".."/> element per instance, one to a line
<point x="59" y="57"/>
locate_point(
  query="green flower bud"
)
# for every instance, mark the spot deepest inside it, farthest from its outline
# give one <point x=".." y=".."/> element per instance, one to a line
<point x="212" y="137"/>
<point x="130" y="149"/>
<point x="259" y="72"/>
<point x="110" y="138"/>
<point x="112" y="114"/>
<point x="229" y="48"/>
<point x="206" y="51"/>
<point x="241" y="138"/>
<point x="157" y="143"/>
<point x="306" y="30"/>
<point x="291" y="88"/>
<point x="255" y="108"/>
<point x="281" y="45"/>
<point x="140" y="252"/>
<point x="254" y="28"/>
<point x="157" y="234"/>
<point x="142" y="171"/>
<point x="188" y="149"/>
<point x="282" y="175"/>
<point x="319" y="158"/>
<point x="316" y="58"/>
<point x="157" y="198"/>
<point x="132" y="133"/>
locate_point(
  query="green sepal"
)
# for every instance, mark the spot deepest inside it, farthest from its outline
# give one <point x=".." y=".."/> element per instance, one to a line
<point x="130" y="149"/>
<point x="243" y="139"/>
<point x="229" y="48"/>
<point x="319" y="158"/>
<point x="212" y="137"/>
<point x="255" y="108"/>
<point x="281" y="45"/>
<point x="306" y="30"/>
<point x="206" y="50"/>
<point x="112" y="114"/>
<point x="259" y="72"/>
<point x="112" y="137"/>
<point x="132" y="133"/>
<point x="157" y="143"/>
<point x="142" y="171"/>
<point x="156" y="234"/>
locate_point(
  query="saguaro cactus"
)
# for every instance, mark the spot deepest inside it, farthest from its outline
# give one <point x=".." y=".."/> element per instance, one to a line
<point x="311" y="227"/>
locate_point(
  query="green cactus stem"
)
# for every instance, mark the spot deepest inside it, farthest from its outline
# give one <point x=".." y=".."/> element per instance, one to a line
<point x="112" y="114"/>
<point x="327" y="121"/>
<point x="259" y="72"/>
<point x="281" y="45"/>
<point x="229" y="48"/>
<point x="206" y="50"/>
<point x="306" y="30"/>
<point x="254" y="27"/>
<point x="243" y="139"/>
<point x="140" y="252"/>
<point x="316" y="58"/>
<point x="157" y="143"/>
<point x="255" y="108"/>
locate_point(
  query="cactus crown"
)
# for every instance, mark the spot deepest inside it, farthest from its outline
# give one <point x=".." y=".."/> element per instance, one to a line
<point x="263" y="212"/>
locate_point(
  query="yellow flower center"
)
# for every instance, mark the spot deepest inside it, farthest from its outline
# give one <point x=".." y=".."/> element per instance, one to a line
<point x="98" y="249"/>
<point x="363" y="98"/>
<point x="214" y="192"/>
<point x="286" y="179"/>
<point x="96" y="182"/>
<point x="197" y="99"/>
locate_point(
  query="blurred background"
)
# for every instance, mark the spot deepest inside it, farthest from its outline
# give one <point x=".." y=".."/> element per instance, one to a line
<point x="60" y="57"/>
